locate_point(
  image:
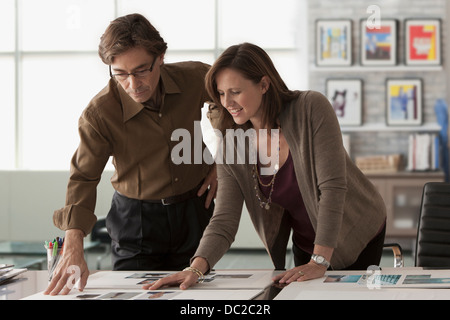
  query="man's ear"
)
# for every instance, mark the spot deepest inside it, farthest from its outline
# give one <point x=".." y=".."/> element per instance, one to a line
<point x="161" y="59"/>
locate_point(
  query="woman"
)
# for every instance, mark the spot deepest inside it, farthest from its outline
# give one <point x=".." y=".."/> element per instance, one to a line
<point x="336" y="214"/>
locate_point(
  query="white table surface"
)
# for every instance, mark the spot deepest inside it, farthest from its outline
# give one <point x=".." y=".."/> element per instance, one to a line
<point x="318" y="289"/>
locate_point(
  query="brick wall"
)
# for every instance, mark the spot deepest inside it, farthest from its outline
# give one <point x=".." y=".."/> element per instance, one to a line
<point x="374" y="96"/>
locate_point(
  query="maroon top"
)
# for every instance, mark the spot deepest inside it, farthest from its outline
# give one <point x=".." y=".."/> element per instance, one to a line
<point x="287" y="194"/>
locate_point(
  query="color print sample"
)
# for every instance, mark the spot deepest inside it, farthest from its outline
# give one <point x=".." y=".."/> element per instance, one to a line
<point x="345" y="96"/>
<point x="379" y="44"/>
<point x="333" y="43"/>
<point x="404" y="102"/>
<point x="423" y="42"/>
<point x="424" y="279"/>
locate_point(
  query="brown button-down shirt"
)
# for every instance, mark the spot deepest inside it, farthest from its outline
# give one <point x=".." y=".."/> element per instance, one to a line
<point x="140" y="142"/>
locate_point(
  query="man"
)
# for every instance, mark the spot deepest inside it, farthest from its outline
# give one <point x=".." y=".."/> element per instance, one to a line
<point x="159" y="209"/>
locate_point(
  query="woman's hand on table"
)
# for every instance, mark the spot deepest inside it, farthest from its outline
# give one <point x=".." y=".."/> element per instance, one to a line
<point x="185" y="279"/>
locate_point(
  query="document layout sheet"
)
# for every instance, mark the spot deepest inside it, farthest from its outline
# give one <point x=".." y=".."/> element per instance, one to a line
<point x="127" y="285"/>
<point x="391" y="283"/>
<point x="224" y="279"/>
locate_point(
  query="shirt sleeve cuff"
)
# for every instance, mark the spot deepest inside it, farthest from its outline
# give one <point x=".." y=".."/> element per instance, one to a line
<point x="74" y="217"/>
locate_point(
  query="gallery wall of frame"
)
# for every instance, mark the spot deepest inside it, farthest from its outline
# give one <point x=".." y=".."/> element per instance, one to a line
<point x="384" y="84"/>
<point x="378" y="48"/>
<point x="379" y="42"/>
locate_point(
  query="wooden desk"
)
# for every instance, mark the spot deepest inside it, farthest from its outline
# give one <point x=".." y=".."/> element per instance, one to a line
<point x="33" y="248"/>
<point x="26" y="262"/>
<point x="31" y="254"/>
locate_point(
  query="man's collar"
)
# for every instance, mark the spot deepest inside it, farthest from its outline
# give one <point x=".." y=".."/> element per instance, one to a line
<point x="170" y="86"/>
<point x="132" y="108"/>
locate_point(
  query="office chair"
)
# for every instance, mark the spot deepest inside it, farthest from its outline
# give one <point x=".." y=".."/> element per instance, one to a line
<point x="397" y="252"/>
<point x="433" y="236"/>
<point x="99" y="233"/>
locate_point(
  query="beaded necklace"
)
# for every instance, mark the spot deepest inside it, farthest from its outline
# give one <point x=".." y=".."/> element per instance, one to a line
<point x="257" y="180"/>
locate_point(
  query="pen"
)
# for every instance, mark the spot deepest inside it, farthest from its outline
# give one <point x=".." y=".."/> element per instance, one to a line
<point x="54" y="251"/>
<point x="55" y="248"/>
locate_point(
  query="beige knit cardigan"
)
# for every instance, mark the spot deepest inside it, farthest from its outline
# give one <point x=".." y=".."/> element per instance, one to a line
<point x="345" y="208"/>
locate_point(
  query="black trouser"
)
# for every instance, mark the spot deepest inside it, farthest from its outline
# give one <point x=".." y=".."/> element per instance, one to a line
<point x="371" y="255"/>
<point x="153" y="236"/>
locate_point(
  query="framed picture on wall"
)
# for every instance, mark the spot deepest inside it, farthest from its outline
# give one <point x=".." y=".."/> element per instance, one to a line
<point x="423" y="42"/>
<point x="379" y="43"/>
<point x="333" y="42"/>
<point x="404" y="102"/>
<point x="345" y="95"/>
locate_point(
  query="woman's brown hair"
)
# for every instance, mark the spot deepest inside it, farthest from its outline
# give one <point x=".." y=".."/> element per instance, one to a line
<point x="253" y="63"/>
<point x="127" y="32"/>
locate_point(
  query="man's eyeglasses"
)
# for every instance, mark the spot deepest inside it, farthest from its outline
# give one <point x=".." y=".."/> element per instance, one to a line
<point x="137" y="74"/>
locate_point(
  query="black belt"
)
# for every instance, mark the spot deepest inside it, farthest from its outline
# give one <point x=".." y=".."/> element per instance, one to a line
<point x="178" y="198"/>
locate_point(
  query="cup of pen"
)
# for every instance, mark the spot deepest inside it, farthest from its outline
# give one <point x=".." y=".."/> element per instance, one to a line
<point x="54" y="253"/>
